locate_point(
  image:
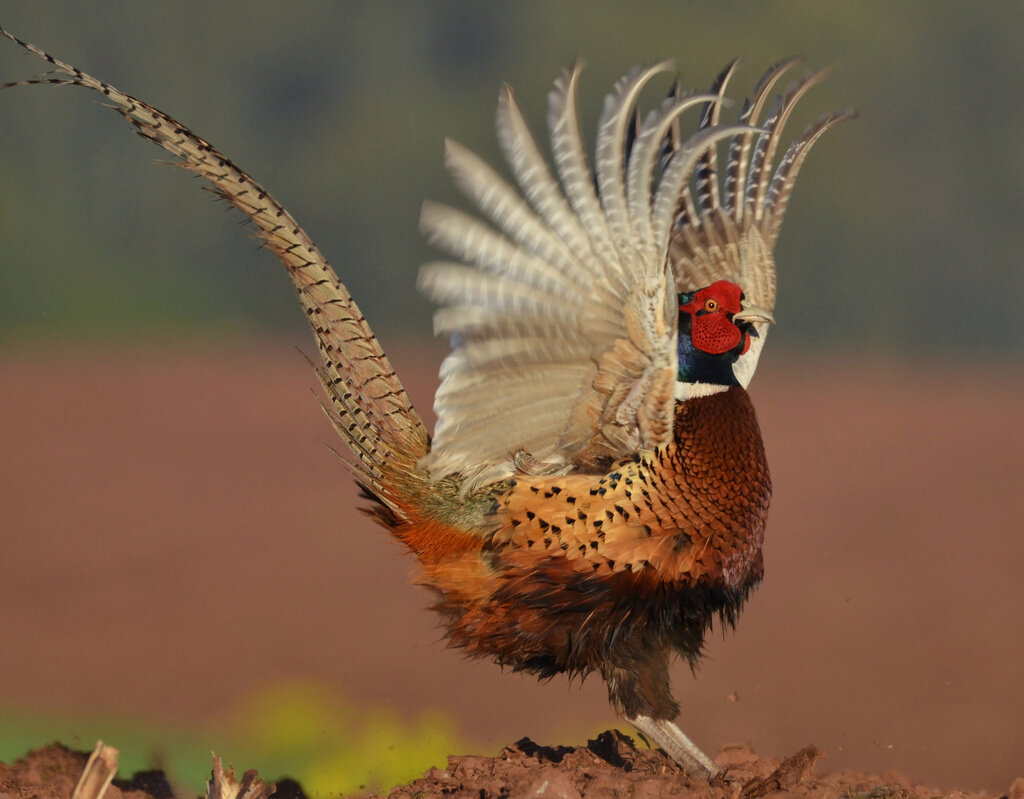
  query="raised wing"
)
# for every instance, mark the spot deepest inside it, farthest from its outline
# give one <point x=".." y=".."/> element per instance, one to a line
<point x="562" y="311"/>
<point x="729" y="231"/>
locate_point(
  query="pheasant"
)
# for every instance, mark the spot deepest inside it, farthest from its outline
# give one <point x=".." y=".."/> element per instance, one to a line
<point x="595" y="491"/>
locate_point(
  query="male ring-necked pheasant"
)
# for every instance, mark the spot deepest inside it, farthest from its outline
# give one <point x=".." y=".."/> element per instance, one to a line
<point x="596" y="488"/>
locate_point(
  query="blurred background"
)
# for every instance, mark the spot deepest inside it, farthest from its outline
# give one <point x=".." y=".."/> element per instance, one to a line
<point x="182" y="569"/>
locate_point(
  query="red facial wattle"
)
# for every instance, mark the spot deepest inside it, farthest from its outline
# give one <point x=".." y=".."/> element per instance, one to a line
<point x="711" y="309"/>
<point x="714" y="333"/>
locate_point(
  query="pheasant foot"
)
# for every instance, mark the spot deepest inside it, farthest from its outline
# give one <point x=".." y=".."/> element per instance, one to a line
<point x="681" y="749"/>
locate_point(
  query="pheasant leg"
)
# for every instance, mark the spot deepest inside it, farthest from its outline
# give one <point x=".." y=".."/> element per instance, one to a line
<point x="681" y="749"/>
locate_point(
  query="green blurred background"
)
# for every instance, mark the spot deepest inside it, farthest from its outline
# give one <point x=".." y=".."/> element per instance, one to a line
<point x="908" y="249"/>
<point x="909" y="237"/>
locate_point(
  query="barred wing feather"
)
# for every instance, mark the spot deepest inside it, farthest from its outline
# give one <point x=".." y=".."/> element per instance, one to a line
<point x="561" y="307"/>
<point x="731" y="236"/>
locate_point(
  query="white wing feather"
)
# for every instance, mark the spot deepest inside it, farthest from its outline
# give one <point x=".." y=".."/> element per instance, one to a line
<point x="562" y="307"/>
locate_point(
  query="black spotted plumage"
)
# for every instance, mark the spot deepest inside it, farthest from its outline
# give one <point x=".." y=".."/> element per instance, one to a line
<point x="583" y="505"/>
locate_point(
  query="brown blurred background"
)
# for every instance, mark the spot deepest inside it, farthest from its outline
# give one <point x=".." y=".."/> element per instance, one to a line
<point x="175" y="535"/>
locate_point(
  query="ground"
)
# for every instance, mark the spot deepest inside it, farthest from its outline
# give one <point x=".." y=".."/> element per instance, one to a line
<point x="609" y="766"/>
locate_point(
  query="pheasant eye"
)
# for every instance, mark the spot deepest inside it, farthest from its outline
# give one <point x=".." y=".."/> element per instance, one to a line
<point x="710" y="305"/>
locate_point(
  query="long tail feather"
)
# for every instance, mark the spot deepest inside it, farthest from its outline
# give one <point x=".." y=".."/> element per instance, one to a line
<point x="368" y="405"/>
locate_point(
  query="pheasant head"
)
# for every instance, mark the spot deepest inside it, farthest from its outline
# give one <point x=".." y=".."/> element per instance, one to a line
<point x="717" y="326"/>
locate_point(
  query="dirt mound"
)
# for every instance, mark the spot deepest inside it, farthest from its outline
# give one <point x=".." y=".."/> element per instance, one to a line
<point x="53" y="771"/>
<point x="610" y="766"/>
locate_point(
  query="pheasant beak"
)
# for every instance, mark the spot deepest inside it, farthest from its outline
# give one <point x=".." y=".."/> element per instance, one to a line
<point x="753" y="313"/>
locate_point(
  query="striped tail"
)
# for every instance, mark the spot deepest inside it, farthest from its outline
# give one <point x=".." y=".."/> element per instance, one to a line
<point x="367" y="403"/>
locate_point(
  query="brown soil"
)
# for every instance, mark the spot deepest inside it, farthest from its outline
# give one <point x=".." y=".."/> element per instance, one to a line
<point x="53" y="771"/>
<point x="610" y="766"/>
<point x="151" y="500"/>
